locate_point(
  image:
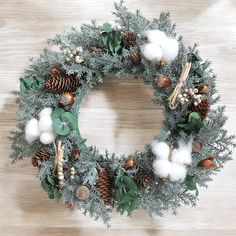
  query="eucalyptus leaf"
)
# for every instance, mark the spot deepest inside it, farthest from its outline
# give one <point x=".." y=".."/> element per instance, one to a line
<point x="60" y="128"/>
<point x="107" y="27"/>
<point x="71" y="119"/>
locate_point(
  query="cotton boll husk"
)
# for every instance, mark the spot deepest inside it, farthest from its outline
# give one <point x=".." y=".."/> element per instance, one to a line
<point x="177" y="173"/>
<point x="162" y="168"/>
<point x="155" y="36"/>
<point x="47" y="137"/>
<point x="161" y="150"/>
<point x="151" y="52"/>
<point x="32" y="131"/>
<point x="170" y="49"/>
<point x="45" y="111"/>
<point x="182" y="155"/>
<point x="45" y="123"/>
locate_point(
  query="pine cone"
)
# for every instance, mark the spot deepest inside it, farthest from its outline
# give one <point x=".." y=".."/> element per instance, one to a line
<point x="129" y="38"/>
<point x="60" y="82"/>
<point x="143" y="178"/>
<point x="135" y="57"/>
<point x="39" y="157"/>
<point x="202" y="108"/>
<point x="104" y="186"/>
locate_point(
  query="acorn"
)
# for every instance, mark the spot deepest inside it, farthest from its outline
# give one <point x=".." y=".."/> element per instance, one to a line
<point x="67" y="99"/>
<point x="207" y="163"/>
<point x="162" y="81"/>
<point x="203" y="89"/>
<point x="129" y="163"/>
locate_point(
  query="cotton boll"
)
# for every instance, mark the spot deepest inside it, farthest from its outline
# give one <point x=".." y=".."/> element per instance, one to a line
<point x="151" y="52"/>
<point x="170" y="49"/>
<point x="182" y="155"/>
<point x="45" y="111"/>
<point x="161" y="150"/>
<point x="177" y="173"/>
<point x="162" y="168"/>
<point x="32" y="131"/>
<point x="155" y="36"/>
<point x="45" y="123"/>
<point x="47" y="137"/>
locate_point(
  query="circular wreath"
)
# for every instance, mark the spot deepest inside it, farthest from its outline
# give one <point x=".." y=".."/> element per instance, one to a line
<point x="191" y="146"/>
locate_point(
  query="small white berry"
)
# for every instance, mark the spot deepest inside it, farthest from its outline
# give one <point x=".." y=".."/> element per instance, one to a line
<point x="180" y="96"/>
<point x="67" y="59"/>
<point x="185" y="95"/>
<point x="195" y="90"/>
<point x="186" y="90"/>
<point x="70" y="55"/>
<point x="78" y="59"/>
<point x="186" y="100"/>
<point x="195" y="104"/>
<point x="79" y="49"/>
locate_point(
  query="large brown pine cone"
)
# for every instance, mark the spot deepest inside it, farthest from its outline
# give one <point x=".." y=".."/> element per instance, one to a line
<point x="59" y="82"/>
<point x="104" y="185"/>
<point x="39" y="157"/>
<point x="202" y="108"/>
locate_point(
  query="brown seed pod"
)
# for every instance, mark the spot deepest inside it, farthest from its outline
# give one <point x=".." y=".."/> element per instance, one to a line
<point x="207" y="163"/>
<point x="55" y="70"/>
<point x="203" y="89"/>
<point x="162" y="81"/>
<point x="67" y="99"/>
<point x="82" y="192"/>
<point x="135" y="57"/>
<point x="129" y="163"/>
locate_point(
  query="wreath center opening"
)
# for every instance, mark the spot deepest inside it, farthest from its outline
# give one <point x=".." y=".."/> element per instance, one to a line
<point x="119" y="116"/>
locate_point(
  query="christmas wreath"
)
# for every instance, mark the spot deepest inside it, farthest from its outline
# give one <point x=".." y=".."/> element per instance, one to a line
<point x="192" y="144"/>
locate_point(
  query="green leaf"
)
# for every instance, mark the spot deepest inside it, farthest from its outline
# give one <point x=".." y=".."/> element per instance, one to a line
<point x="199" y="72"/>
<point x="60" y="128"/>
<point x="71" y="119"/>
<point x="105" y="39"/>
<point x="23" y="88"/>
<point x="196" y="57"/>
<point x="194" y="116"/>
<point x="191" y="184"/>
<point x="107" y="27"/>
<point x="56" y="194"/>
<point x="50" y="180"/>
<point x="57" y="113"/>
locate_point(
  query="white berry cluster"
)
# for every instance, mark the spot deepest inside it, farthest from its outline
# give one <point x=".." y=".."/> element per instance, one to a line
<point x="42" y="128"/>
<point x="74" y="55"/>
<point x="159" y="47"/>
<point x="189" y="95"/>
<point x="172" y="165"/>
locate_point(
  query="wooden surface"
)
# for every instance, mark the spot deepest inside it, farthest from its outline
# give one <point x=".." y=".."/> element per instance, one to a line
<point x="113" y="117"/>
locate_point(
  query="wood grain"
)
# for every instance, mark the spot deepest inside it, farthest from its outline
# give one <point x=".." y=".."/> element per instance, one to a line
<point x="114" y="116"/>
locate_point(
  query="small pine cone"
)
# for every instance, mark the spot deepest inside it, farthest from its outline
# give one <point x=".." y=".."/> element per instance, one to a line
<point x="39" y="157"/>
<point x="202" y="108"/>
<point x="143" y="178"/>
<point x="129" y="38"/>
<point x="62" y="83"/>
<point x="104" y="185"/>
<point x="135" y="57"/>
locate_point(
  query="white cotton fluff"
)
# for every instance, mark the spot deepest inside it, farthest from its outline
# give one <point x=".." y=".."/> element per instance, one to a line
<point x="152" y="52"/>
<point x="47" y="137"/>
<point x="155" y="36"/>
<point x="161" y="150"/>
<point x="45" y="123"/>
<point x="45" y="111"/>
<point x="177" y="173"/>
<point x="182" y="155"/>
<point x="32" y="131"/>
<point x="162" y="168"/>
<point x="170" y="49"/>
